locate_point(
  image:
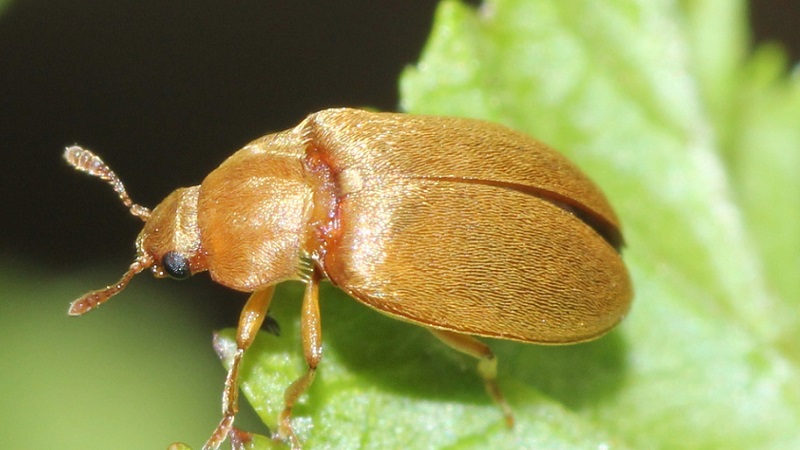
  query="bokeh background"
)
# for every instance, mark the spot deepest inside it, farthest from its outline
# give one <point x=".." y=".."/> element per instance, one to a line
<point x="164" y="91"/>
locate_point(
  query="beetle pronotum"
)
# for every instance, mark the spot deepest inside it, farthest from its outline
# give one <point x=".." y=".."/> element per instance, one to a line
<point x="464" y="227"/>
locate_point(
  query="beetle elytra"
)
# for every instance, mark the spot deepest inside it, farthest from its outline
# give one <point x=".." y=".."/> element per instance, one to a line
<point x="461" y="226"/>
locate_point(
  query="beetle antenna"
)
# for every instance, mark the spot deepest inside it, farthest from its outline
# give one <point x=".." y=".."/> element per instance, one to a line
<point x="86" y="161"/>
<point x="92" y="300"/>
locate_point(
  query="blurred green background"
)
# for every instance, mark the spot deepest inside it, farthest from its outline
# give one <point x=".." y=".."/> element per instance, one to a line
<point x="164" y="91"/>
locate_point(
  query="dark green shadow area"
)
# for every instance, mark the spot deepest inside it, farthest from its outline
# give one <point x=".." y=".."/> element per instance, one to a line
<point x="389" y="355"/>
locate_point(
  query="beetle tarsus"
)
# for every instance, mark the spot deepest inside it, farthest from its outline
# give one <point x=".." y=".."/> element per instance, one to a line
<point x="487" y="365"/>
<point x="285" y="432"/>
<point x="220" y="433"/>
<point x="239" y="438"/>
<point x="498" y="397"/>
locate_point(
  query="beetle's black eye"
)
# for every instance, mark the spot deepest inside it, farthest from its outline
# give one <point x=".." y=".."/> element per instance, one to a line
<point x="176" y="266"/>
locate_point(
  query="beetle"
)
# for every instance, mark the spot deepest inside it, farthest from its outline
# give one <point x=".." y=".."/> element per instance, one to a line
<point x="465" y="227"/>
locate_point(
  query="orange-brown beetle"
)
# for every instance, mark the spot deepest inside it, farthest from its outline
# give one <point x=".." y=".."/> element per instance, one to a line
<point x="461" y="226"/>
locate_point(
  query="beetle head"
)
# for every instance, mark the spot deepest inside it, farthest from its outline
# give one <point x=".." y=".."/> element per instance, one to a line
<point x="169" y="243"/>
<point x="170" y="238"/>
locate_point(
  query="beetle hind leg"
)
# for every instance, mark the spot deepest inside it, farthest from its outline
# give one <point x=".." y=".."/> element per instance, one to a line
<point x="487" y="365"/>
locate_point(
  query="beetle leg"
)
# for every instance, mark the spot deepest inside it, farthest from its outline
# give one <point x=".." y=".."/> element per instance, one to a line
<point x="311" y="331"/>
<point x="487" y="365"/>
<point x="253" y="314"/>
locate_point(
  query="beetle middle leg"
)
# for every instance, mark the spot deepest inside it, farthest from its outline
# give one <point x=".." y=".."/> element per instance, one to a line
<point x="487" y="365"/>
<point x="253" y="314"/>
<point x="311" y="332"/>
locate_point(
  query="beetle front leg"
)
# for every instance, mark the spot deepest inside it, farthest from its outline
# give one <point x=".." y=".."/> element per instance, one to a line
<point x="253" y="314"/>
<point x="311" y="331"/>
<point x="487" y="365"/>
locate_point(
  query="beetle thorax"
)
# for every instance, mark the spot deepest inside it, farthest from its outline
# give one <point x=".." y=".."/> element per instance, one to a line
<point x="253" y="213"/>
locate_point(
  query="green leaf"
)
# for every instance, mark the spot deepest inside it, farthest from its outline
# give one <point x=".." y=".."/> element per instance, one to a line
<point x="697" y="145"/>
